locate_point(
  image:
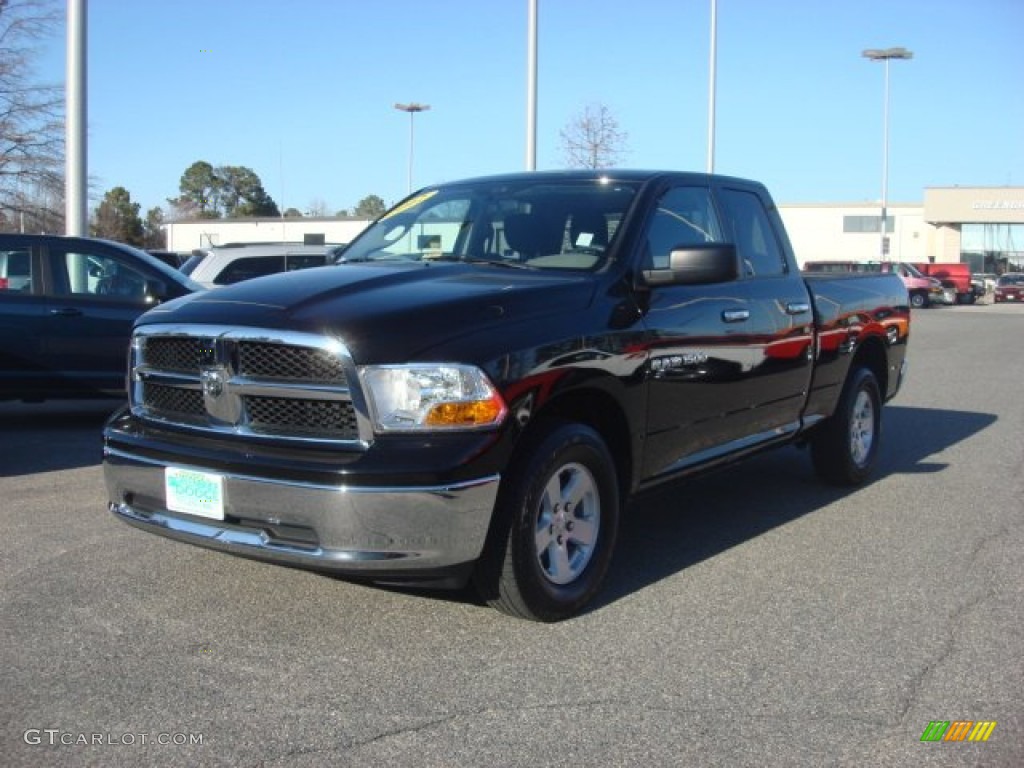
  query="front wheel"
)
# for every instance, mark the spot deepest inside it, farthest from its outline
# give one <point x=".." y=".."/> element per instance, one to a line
<point x="845" y="447"/>
<point x="554" y="529"/>
<point x="918" y="300"/>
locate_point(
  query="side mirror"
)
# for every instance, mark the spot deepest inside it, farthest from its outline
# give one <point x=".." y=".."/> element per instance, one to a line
<point x="697" y="265"/>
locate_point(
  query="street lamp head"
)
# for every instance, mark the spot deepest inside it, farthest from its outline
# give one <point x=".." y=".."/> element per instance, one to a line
<point x="883" y="54"/>
<point x="412" y="108"/>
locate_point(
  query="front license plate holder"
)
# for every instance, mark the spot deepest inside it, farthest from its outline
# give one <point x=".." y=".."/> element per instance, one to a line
<point x="194" y="493"/>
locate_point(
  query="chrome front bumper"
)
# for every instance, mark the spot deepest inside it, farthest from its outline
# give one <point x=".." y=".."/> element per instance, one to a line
<point x="396" y="535"/>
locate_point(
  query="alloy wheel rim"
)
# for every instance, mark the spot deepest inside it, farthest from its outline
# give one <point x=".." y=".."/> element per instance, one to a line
<point x="862" y="428"/>
<point x="567" y="524"/>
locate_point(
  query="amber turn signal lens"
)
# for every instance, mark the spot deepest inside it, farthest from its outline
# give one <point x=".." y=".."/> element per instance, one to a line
<point x="475" y="413"/>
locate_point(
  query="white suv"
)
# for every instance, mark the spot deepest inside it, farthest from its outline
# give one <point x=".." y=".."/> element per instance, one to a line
<point x="226" y="264"/>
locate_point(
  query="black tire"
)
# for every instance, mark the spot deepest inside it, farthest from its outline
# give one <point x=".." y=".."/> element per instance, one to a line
<point x="918" y="300"/>
<point x="845" y="447"/>
<point x="550" y="575"/>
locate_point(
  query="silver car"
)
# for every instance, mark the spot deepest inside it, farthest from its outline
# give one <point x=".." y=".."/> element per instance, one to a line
<point x="233" y="263"/>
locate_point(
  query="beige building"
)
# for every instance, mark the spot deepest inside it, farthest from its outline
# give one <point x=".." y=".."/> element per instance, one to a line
<point x="849" y="232"/>
<point x="983" y="226"/>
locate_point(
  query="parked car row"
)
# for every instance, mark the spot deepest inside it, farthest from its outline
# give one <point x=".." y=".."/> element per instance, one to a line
<point x="67" y="304"/>
<point x="927" y="284"/>
<point x="923" y="291"/>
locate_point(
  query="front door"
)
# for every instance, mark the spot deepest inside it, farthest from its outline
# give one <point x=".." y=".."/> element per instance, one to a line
<point x="97" y="294"/>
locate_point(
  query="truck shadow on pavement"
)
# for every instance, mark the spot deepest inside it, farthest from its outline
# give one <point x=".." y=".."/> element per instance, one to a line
<point x="668" y="530"/>
<point x="51" y="436"/>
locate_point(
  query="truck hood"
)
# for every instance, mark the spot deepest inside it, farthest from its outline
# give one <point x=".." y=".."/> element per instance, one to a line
<point x="386" y="310"/>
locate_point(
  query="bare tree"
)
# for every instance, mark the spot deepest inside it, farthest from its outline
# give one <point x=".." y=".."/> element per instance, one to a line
<point x="592" y="139"/>
<point x="31" y="120"/>
<point x="317" y="208"/>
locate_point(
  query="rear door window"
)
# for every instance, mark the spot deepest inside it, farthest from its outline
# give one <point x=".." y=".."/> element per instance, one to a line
<point x="16" y="271"/>
<point x="293" y="261"/>
<point x="249" y="267"/>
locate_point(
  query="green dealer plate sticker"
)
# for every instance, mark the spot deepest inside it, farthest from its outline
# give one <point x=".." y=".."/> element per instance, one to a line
<point x="195" y="493"/>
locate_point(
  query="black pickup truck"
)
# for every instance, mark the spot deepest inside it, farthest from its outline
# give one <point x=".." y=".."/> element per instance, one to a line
<point x="497" y="368"/>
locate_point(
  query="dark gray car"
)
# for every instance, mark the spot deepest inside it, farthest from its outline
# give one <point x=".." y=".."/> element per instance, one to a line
<point x="66" y="310"/>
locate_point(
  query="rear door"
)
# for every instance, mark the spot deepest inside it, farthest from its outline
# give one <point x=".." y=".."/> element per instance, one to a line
<point x="781" y="331"/>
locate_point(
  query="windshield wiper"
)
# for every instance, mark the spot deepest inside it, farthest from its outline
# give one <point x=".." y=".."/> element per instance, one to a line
<point x="481" y="260"/>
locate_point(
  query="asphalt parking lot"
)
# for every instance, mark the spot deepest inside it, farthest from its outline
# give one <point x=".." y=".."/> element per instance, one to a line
<point x="752" y="618"/>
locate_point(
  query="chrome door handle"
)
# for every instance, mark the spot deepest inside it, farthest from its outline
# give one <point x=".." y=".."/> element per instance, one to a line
<point x="797" y="307"/>
<point x="736" y="315"/>
<point x="66" y="312"/>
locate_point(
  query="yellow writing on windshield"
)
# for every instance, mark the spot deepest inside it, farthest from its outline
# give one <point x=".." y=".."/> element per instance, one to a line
<point x="412" y="202"/>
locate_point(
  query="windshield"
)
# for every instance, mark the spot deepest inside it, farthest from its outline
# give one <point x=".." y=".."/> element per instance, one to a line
<point x="536" y="223"/>
<point x="912" y="270"/>
<point x="1011" y="280"/>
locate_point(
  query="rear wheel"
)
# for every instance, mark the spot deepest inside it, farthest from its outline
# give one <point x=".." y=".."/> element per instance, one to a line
<point x="846" y="445"/>
<point x="555" y="527"/>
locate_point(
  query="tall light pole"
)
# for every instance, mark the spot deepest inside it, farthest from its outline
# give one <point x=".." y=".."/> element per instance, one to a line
<point x="531" y="86"/>
<point x="885" y="55"/>
<point x="412" y="108"/>
<point x="712" y="87"/>
<point x="76" y="201"/>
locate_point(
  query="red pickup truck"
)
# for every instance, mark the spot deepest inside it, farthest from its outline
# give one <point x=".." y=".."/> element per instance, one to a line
<point x="954" y="276"/>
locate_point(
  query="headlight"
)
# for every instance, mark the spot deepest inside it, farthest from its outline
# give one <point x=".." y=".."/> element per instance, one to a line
<point x="430" y="396"/>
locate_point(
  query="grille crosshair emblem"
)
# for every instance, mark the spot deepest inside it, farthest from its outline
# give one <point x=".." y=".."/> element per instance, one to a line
<point x="220" y="403"/>
<point x="213" y="382"/>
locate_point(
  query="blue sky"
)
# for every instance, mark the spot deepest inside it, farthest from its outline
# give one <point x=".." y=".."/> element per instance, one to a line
<point x="303" y="91"/>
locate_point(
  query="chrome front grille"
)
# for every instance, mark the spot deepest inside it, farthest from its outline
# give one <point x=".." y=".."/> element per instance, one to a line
<point x="173" y="401"/>
<point x="306" y="417"/>
<point x="276" y="361"/>
<point x="249" y="382"/>
<point x="174" y="353"/>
